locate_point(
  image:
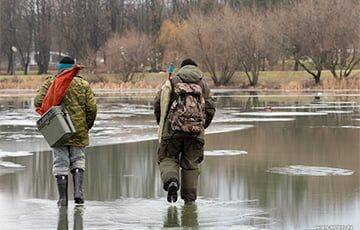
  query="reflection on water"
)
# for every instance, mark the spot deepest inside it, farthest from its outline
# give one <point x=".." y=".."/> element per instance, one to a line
<point x="123" y="187"/>
<point x="63" y="223"/>
<point x="188" y="216"/>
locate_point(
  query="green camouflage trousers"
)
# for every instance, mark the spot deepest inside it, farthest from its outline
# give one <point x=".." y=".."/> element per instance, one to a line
<point x="185" y="153"/>
<point x="67" y="158"/>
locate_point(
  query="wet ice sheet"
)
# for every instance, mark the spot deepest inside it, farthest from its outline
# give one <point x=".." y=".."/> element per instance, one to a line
<point x="350" y="127"/>
<point x="14" y="154"/>
<point x="122" y="121"/>
<point x="226" y="128"/>
<point x="224" y="152"/>
<point x="135" y="214"/>
<point x="320" y="105"/>
<point x="337" y="111"/>
<point x="280" y="114"/>
<point x="303" y="170"/>
<point x="7" y="164"/>
<point x="9" y="167"/>
<point x="314" y="106"/>
<point x="337" y="127"/>
<point x="249" y="119"/>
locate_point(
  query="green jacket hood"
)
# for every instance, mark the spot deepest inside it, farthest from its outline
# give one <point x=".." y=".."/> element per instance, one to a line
<point x="190" y="74"/>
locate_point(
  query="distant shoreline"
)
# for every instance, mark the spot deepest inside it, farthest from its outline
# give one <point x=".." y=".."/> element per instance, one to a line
<point x="268" y="80"/>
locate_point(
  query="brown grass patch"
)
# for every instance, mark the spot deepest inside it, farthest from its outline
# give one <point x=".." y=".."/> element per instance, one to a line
<point x="352" y="83"/>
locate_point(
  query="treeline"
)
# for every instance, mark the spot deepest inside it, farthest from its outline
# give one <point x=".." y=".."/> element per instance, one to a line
<point x="223" y="36"/>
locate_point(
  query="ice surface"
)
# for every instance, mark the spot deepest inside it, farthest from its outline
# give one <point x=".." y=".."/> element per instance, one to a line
<point x="304" y="170"/>
<point x="131" y="213"/>
<point x="227" y="128"/>
<point x="350" y="127"/>
<point x="17" y="122"/>
<point x="250" y="119"/>
<point x="311" y="106"/>
<point x="337" y="111"/>
<point x="7" y="164"/>
<point x="14" y="154"/>
<point x="224" y="152"/>
<point x="281" y="114"/>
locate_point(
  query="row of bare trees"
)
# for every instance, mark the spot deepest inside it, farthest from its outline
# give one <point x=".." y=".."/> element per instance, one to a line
<point x="80" y="28"/>
<point x="318" y="35"/>
<point x="223" y="36"/>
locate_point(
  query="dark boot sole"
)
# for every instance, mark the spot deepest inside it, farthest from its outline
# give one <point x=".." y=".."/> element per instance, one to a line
<point x="172" y="194"/>
<point x="79" y="201"/>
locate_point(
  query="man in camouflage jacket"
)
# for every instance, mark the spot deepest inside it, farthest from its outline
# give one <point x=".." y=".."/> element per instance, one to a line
<point x="179" y="149"/>
<point x="80" y="102"/>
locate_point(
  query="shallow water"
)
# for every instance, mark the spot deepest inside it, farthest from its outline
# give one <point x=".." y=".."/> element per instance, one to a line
<point x="297" y="168"/>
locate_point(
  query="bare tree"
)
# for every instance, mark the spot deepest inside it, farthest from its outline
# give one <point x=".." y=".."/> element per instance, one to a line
<point x="317" y="33"/>
<point x="22" y="31"/>
<point x="42" y="36"/>
<point x="169" y="39"/>
<point x="253" y="43"/>
<point x="7" y="15"/>
<point x="18" y="26"/>
<point x="344" y="38"/>
<point x="208" y="40"/>
<point x="127" y="54"/>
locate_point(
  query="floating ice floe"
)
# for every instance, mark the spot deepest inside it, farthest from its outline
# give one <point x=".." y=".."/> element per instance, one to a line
<point x="250" y="119"/>
<point x="108" y="116"/>
<point x="17" y="122"/>
<point x="303" y="170"/>
<point x="337" y="111"/>
<point x="225" y="129"/>
<point x="7" y="164"/>
<point x="312" y="106"/>
<point x="341" y="102"/>
<point x="281" y="114"/>
<point x="21" y="137"/>
<point x="350" y="127"/>
<point x="224" y="152"/>
<point x="14" y="154"/>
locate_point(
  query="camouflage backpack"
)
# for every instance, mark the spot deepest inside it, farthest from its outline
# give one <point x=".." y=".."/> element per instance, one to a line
<point x="187" y="112"/>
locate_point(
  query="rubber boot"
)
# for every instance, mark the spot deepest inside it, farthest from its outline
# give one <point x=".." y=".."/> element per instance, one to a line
<point x="172" y="192"/>
<point x="189" y="180"/>
<point x="62" y="184"/>
<point x="78" y="175"/>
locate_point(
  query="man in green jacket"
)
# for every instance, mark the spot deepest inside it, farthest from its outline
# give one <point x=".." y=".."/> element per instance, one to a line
<point x="179" y="149"/>
<point x="80" y="102"/>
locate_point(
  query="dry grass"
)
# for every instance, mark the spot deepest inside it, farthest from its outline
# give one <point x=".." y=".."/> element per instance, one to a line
<point x="125" y="85"/>
<point x="21" y="81"/>
<point x="285" y="80"/>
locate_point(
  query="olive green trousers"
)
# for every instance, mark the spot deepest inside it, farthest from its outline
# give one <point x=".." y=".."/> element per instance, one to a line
<point x="181" y="154"/>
